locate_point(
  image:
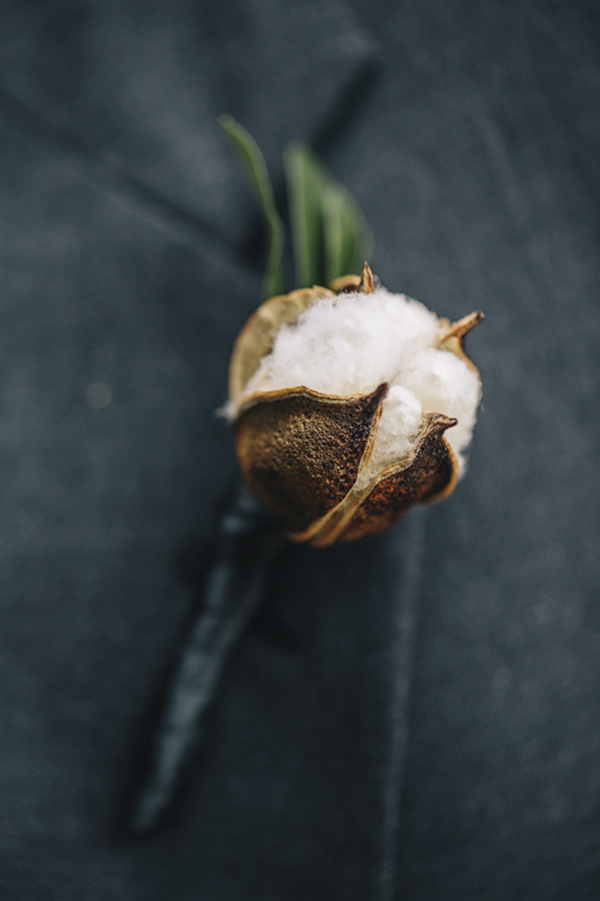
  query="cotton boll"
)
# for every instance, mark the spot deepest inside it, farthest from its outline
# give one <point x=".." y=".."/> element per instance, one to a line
<point x="364" y="391"/>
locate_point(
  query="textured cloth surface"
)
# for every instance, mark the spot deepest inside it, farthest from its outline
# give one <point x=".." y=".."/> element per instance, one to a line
<point x="413" y="717"/>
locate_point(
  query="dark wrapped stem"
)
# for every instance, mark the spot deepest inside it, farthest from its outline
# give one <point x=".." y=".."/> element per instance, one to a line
<point x="247" y="543"/>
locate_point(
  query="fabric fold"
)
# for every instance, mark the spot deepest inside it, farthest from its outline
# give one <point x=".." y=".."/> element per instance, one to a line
<point x="140" y="86"/>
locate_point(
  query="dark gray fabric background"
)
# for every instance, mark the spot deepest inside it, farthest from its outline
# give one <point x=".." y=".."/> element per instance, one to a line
<point x="416" y="717"/>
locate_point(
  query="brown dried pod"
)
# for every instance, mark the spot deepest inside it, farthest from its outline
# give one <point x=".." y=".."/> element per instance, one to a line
<point x="309" y="454"/>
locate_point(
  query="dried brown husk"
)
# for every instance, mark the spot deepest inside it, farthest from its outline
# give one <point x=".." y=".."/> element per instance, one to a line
<point x="302" y="452"/>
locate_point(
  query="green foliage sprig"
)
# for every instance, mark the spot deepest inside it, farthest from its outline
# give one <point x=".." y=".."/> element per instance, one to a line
<point x="330" y="237"/>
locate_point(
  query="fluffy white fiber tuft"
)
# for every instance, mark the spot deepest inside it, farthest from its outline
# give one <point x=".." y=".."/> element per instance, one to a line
<point x="353" y="343"/>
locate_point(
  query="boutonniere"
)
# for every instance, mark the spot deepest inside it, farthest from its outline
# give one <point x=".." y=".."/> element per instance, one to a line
<point x="348" y="403"/>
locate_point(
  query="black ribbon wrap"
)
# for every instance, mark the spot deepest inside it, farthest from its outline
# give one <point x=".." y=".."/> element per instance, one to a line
<point x="248" y="540"/>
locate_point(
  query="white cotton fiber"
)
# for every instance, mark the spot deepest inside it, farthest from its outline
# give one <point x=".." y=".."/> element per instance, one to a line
<point x="352" y="343"/>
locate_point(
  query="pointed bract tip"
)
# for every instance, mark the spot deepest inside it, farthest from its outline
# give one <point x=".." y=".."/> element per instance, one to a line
<point x="367" y="285"/>
<point x="441" y="422"/>
<point x="459" y="329"/>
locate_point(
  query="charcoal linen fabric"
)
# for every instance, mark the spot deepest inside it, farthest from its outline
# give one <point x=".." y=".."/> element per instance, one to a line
<point x="415" y="717"/>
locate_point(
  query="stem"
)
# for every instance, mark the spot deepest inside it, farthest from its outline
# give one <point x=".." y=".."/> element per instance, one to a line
<point x="247" y="544"/>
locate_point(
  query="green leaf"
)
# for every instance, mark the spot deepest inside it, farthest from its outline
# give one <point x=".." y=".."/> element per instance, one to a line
<point x="254" y="166"/>
<point x="329" y="232"/>
<point x="345" y="234"/>
<point x="306" y="180"/>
